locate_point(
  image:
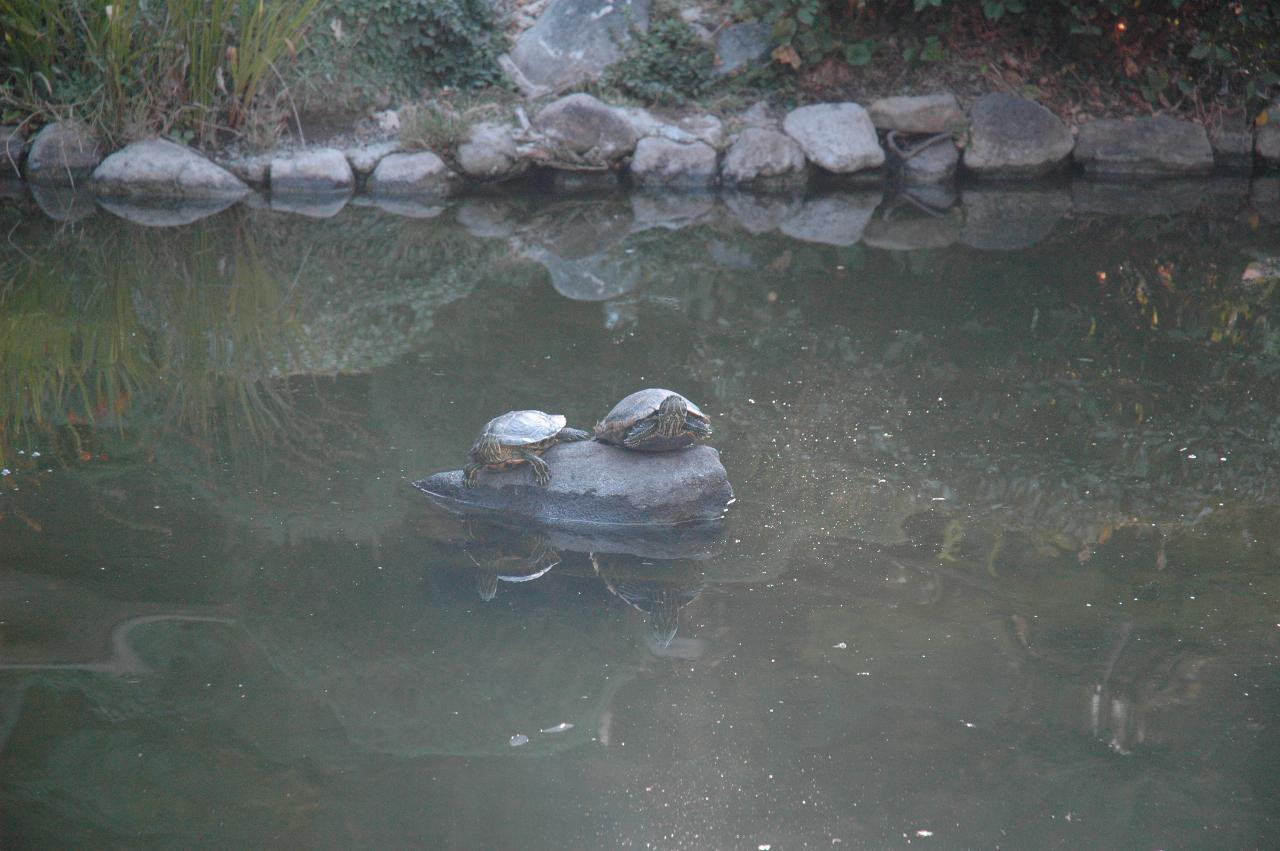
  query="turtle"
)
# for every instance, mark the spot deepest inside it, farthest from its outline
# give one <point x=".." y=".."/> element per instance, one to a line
<point x="660" y="593"/>
<point x="519" y="437"/>
<point x="654" y="420"/>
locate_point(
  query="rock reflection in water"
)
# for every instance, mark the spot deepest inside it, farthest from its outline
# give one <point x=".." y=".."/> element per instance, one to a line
<point x="659" y="589"/>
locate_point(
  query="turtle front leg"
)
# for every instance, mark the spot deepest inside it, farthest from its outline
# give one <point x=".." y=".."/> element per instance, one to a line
<point x="571" y="435"/>
<point x="697" y="428"/>
<point x="469" y="474"/>
<point x="541" y="472"/>
<point x="639" y="433"/>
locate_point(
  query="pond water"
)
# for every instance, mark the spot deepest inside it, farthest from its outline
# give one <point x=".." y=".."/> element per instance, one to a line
<point x="1001" y="571"/>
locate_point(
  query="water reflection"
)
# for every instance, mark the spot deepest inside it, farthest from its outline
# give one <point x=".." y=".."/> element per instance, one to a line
<point x="1003" y="550"/>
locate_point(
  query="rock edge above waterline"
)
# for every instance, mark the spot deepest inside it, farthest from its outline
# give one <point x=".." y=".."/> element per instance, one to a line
<point x="592" y="483"/>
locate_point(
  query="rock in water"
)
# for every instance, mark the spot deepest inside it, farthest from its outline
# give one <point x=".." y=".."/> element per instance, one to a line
<point x="592" y="483"/>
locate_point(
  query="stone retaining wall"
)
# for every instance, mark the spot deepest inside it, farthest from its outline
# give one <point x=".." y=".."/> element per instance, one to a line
<point x="913" y="141"/>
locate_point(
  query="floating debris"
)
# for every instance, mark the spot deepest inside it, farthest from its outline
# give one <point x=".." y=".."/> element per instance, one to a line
<point x="559" y="728"/>
<point x="841" y="646"/>
<point x="519" y="739"/>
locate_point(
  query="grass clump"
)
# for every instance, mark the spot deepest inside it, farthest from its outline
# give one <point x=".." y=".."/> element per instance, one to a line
<point x="191" y="68"/>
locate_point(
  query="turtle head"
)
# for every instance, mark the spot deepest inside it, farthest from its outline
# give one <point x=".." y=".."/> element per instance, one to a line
<point x="671" y="415"/>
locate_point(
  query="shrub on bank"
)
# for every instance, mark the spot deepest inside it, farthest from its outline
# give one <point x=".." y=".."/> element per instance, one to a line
<point x="1163" y="51"/>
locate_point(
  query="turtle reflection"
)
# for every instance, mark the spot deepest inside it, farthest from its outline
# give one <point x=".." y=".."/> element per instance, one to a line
<point x="659" y="589"/>
<point x="508" y="557"/>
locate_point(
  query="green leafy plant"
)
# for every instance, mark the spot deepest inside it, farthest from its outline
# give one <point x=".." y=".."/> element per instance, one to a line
<point x="671" y="64"/>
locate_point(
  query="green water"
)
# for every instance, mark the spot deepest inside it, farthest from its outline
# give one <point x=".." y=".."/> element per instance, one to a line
<point x="1001" y="572"/>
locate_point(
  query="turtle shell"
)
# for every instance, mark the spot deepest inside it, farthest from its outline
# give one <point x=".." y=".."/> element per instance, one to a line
<point x="639" y="405"/>
<point x="634" y="408"/>
<point x="523" y="428"/>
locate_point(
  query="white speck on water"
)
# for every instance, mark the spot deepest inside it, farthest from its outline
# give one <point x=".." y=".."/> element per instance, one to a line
<point x="924" y="833"/>
<point x="559" y="728"/>
<point x="6" y="472"/>
<point x="752" y="401"/>
<point x="37" y="455"/>
<point x="519" y="739"/>
<point x="841" y="646"/>
<point x="969" y="724"/>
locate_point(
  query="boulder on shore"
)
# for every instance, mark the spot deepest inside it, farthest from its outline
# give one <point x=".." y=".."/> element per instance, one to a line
<point x="159" y="168"/>
<point x="1011" y="137"/>
<point x="593" y="483"/>
<point x="1157" y="146"/>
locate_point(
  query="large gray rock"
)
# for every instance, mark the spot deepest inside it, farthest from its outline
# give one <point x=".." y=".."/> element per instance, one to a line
<point x="1156" y="146"/>
<point x="63" y="154"/>
<point x="489" y="152"/>
<point x="253" y="169"/>
<point x="1266" y="141"/>
<point x="762" y="157"/>
<point x="833" y="219"/>
<point x="311" y="171"/>
<point x="421" y="173"/>
<point x="13" y="146"/>
<point x="1000" y="219"/>
<point x="836" y="136"/>
<point x="159" y="168"/>
<point x="1231" y="137"/>
<point x="365" y="158"/>
<point x="574" y="40"/>
<point x="582" y="130"/>
<point x="592" y="483"/>
<point x="1011" y="136"/>
<point x="923" y="114"/>
<point x="662" y="162"/>
<point x="739" y="45"/>
<point x="934" y="164"/>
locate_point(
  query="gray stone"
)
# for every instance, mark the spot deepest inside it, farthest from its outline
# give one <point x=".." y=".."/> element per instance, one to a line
<point x="421" y="173"/>
<point x="489" y="153"/>
<point x="1152" y="198"/>
<point x="760" y="114"/>
<point x="1231" y="138"/>
<point x="760" y="213"/>
<point x="705" y="128"/>
<point x="833" y="219"/>
<point x="836" y="136"/>
<point x="1266" y="140"/>
<point x="581" y="129"/>
<point x="62" y="154"/>
<point x="923" y="114"/>
<point x="164" y="214"/>
<point x="592" y="483"/>
<point x="365" y="158"/>
<point x="741" y="44"/>
<point x="13" y="145"/>
<point x="913" y="233"/>
<point x="160" y="168"/>
<point x="1155" y="146"/>
<point x="1009" y="219"/>
<point x="661" y="162"/>
<point x="312" y="170"/>
<point x="764" y="157"/>
<point x="1010" y="136"/>
<point x="253" y="169"/>
<point x="574" y="40"/>
<point x="934" y="164"/>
